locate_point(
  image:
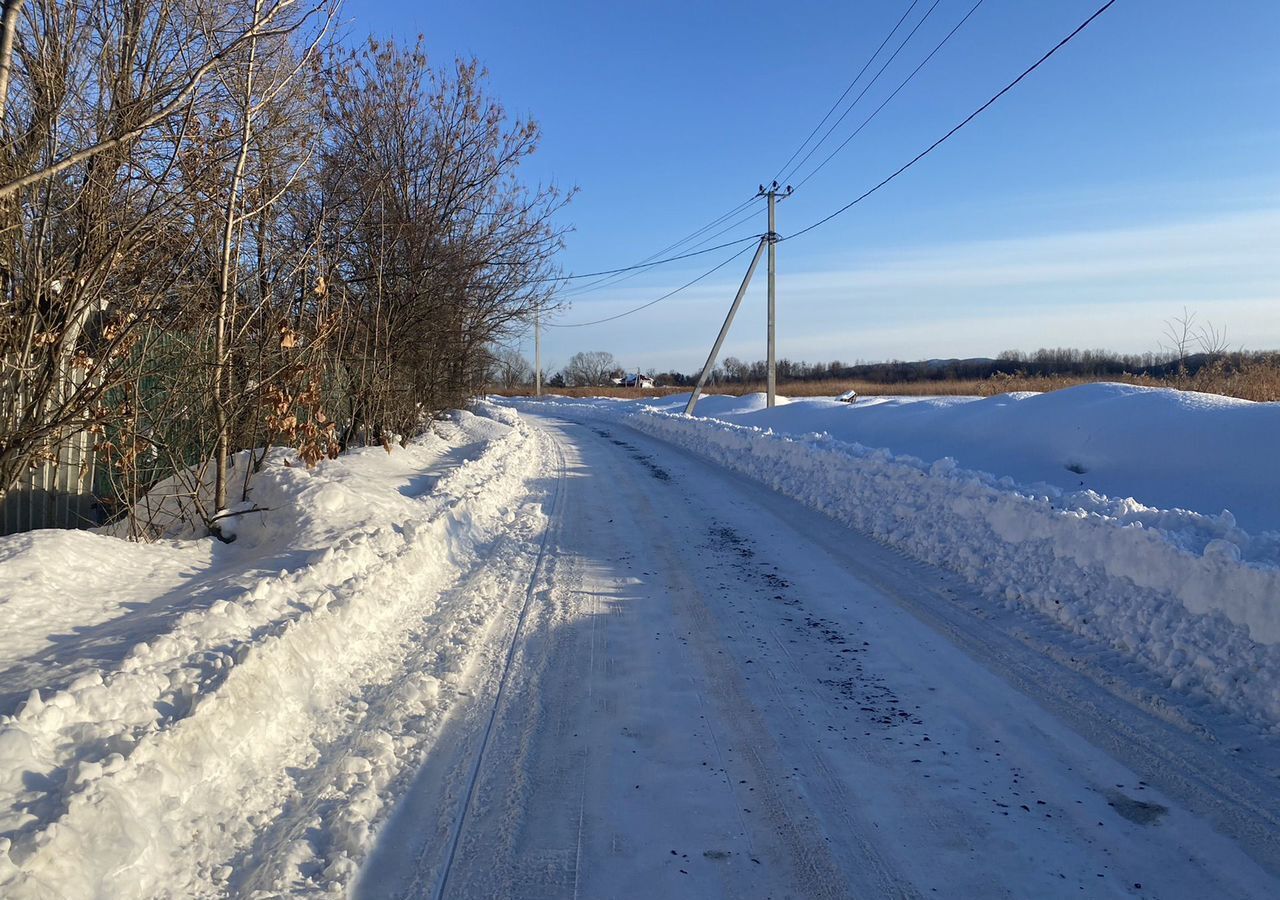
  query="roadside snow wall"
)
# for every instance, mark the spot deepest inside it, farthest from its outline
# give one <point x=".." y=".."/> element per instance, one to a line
<point x="1193" y="597"/>
<point x="143" y="779"/>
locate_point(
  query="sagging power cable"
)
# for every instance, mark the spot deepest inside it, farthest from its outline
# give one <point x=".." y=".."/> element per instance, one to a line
<point x="969" y="118"/>
<point x="665" y="296"/>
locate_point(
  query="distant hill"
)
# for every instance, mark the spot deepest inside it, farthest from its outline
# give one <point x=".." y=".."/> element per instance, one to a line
<point x="969" y="361"/>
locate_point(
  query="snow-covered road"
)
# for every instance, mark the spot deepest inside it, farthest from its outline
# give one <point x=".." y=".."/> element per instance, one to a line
<point x="547" y="654"/>
<point x="713" y="691"/>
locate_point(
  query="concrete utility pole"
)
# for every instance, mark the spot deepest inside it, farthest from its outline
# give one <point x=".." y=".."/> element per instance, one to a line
<point x="770" y="239"/>
<point x="774" y="195"/>
<point x="537" y="354"/>
<point x="724" y="331"/>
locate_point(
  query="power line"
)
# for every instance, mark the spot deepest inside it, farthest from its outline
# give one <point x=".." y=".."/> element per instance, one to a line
<point x="649" y="262"/>
<point x="904" y="83"/>
<point x="869" y="85"/>
<point x="542" y="279"/>
<point x="619" y="280"/>
<point x="611" y="280"/>
<point x="627" y="272"/>
<point x="606" y="278"/>
<point x="730" y="227"/>
<point x="973" y="115"/>
<point x="866" y="65"/>
<point x="684" y="240"/>
<point x="637" y="309"/>
<point x="615" y="280"/>
<point x="650" y="265"/>
<point x="712" y="224"/>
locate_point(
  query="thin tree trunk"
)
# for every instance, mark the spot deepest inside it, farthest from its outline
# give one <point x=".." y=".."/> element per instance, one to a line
<point x="221" y="372"/>
<point x="8" y="29"/>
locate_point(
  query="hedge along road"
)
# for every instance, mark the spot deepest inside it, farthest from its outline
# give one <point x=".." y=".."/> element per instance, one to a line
<point x="712" y="691"/>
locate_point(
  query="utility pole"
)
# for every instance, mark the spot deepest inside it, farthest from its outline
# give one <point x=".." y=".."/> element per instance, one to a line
<point x="773" y="195"/>
<point x="770" y="239"/>
<point x="724" y="331"/>
<point x="537" y="354"/>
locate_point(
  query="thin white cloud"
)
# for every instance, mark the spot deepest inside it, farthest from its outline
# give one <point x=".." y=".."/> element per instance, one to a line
<point x="1110" y="288"/>
<point x="1241" y="245"/>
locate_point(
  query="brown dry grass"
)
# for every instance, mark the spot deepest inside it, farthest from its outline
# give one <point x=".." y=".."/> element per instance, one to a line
<point x="1258" y="381"/>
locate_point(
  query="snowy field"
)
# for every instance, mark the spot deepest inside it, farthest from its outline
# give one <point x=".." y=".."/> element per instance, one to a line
<point x="1020" y="646"/>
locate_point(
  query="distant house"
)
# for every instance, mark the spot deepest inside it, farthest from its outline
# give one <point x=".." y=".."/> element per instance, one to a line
<point x="633" y="379"/>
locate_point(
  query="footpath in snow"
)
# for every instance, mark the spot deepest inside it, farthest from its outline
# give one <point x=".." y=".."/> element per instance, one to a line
<point x="1113" y="510"/>
<point x="183" y="718"/>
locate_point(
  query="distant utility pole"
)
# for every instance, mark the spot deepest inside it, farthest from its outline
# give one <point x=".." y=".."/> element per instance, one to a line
<point x="537" y="354"/>
<point x="770" y="239"/>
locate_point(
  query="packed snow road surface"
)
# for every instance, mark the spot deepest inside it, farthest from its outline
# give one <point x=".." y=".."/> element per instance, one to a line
<point x="548" y="655"/>
<point x="718" y="693"/>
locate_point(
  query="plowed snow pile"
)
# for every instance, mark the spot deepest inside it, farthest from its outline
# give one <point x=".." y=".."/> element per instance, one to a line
<point x="173" y="708"/>
<point x="1113" y="510"/>
<point x="1168" y="449"/>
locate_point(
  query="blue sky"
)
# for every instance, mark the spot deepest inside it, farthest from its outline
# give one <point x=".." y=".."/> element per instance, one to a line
<point x="1133" y="174"/>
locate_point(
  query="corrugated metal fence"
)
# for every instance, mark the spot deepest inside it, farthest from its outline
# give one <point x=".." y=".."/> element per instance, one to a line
<point x="55" y="494"/>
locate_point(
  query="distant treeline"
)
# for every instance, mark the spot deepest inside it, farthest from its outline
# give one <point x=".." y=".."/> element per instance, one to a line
<point x="1061" y="361"/>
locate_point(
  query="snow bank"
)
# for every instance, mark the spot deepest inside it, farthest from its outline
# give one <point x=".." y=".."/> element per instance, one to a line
<point x="53" y="582"/>
<point x="1194" y="597"/>
<point x="144" y="779"/>
<point x="1169" y="449"/>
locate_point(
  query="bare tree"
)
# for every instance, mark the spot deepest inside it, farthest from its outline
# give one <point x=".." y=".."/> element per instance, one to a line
<point x="735" y="369"/>
<point x="169" y="98"/>
<point x="437" y="250"/>
<point x="1179" y="336"/>
<point x="509" y="368"/>
<point x="1212" y="341"/>
<point x="217" y="232"/>
<point x="8" y="29"/>
<point x="589" y="368"/>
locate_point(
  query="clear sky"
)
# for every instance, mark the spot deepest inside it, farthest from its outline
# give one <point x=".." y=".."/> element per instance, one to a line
<point x="1134" y="174"/>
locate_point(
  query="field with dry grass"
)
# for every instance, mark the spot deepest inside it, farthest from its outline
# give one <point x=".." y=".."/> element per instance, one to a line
<point x="1258" y="381"/>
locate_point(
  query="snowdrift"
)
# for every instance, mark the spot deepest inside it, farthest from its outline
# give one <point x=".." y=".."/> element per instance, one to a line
<point x="1169" y="449"/>
<point x="148" y="777"/>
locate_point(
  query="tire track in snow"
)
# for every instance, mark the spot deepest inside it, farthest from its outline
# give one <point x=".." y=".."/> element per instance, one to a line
<point x="732" y="720"/>
<point x="1186" y="762"/>
<point x="582" y="792"/>
<point x="819" y="874"/>
<point x="552" y="527"/>
<point x="382" y="707"/>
